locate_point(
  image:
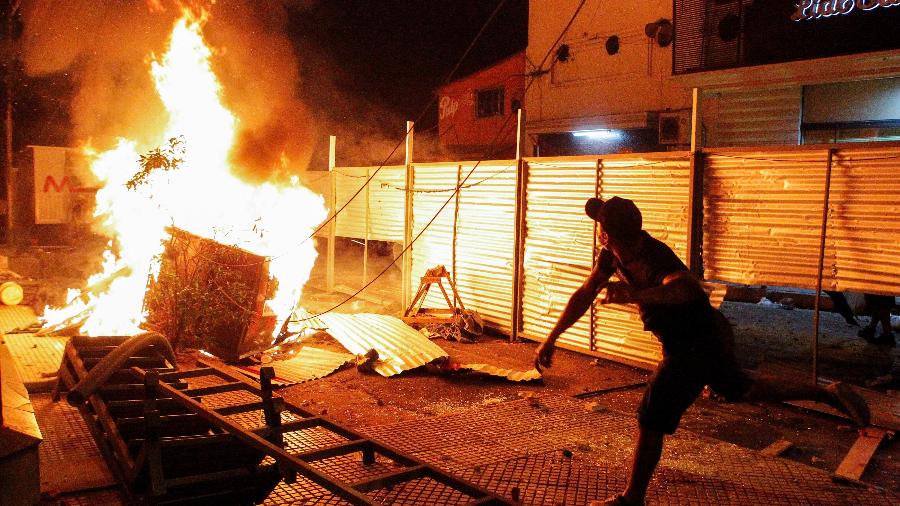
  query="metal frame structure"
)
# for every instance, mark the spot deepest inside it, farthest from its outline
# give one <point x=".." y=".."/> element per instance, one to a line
<point x="210" y="434"/>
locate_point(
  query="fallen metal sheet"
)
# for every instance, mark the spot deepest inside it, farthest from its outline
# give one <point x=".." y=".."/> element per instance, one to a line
<point x="308" y="364"/>
<point x="399" y="346"/>
<point x="302" y="320"/>
<point x="510" y="374"/>
<point x="37" y="359"/>
<point x="16" y="317"/>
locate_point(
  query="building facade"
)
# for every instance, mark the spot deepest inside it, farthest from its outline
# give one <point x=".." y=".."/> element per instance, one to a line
<point x="787" y="72"/>
<point x="477" y="113"/>
<point x="606" y="86"/>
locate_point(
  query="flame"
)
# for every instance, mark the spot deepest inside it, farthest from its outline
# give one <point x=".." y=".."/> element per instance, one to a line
<point x="201" y="196"/>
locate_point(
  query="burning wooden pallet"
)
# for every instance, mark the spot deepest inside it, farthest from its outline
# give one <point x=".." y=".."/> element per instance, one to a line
<point x="212" y="435"/>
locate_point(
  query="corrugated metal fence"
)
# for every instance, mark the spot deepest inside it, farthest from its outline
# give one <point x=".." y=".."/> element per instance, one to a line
<point x="761" y="225"/>
<point x="763" y="217"/>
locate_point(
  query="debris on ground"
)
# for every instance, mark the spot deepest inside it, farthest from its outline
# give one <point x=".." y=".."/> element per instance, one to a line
<point x="366" y="363"/>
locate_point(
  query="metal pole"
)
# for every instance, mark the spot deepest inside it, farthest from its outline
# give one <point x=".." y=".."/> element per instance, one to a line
<point x="519" y="251"/>
<point x="406" y="271"/>
<point x="368" y="231"/>
<point x="12" y="177"/>
<point x="456" y="224"/>
<point x="597" y="180"/>
<point x="332" y="226"/>
<point x="695" y="195"/>
<point x="822" y="234"/>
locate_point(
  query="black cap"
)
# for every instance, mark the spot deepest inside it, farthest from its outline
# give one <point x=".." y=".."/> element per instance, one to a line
<point x="619" y="217"/>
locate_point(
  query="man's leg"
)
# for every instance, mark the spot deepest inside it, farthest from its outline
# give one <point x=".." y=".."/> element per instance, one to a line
<point x="647" y="453"/>
<point x="836" y="395"/>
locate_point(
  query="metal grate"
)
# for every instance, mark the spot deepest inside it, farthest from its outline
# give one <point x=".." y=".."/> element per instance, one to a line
<point x="93" y="498"/>
<point x="560" y="453"/>
<point x="421" y="491"/>
<point x="37" y="358"/>
<point x="66" y="437"/>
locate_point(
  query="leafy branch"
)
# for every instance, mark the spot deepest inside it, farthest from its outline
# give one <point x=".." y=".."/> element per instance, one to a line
<point x="167" y="157"/>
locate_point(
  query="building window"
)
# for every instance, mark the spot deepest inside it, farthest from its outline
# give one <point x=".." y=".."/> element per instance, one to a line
<point x="490" y="103"/>
<point x="861" y="111"/>
<point x="874" y="131"/>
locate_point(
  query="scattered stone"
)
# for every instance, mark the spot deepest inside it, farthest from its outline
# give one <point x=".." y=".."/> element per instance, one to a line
<point x="324" y="411"/>
<point x="594" y="407"/>
<point x="816" y="460"/>
<point x="596" y="361"/>
<point x="584" y="447"/>
<point x="379" y="402"/>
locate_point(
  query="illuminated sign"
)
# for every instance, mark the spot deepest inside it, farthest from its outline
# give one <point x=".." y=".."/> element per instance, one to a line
<point x="814" y="9"/>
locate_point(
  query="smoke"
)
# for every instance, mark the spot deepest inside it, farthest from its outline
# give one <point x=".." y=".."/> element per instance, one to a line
<point x="105" y="46"/>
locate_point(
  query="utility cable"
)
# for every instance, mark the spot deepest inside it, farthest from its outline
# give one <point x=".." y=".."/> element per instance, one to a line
<point x="462" y="182"/>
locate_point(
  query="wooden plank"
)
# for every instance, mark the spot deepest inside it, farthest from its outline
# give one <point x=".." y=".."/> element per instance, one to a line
<point x="854" y="464"/>
<point x="777" y="448"/>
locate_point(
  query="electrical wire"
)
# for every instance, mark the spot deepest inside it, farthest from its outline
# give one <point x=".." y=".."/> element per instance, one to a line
<point x="452" y="195"/>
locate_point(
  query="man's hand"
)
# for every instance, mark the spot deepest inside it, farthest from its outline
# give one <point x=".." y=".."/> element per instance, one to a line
<point x="543" y="357"/>
<point x="617" y="293"/>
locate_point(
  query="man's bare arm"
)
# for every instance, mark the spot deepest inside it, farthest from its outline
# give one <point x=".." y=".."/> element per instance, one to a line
<point x="677" y="288"/>
<point x="578" y="303"/>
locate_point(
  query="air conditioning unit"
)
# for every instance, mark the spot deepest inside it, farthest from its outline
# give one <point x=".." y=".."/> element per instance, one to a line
<point x="674" y="127"/>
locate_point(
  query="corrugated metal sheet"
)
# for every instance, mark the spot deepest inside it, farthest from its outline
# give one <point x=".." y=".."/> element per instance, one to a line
<point x="434" y="185"/>
<point x="381" y="203"/>
<point x="558" y="245"/>
<point x="308" y="364"/>
<point x="754" y="117"/>
<point x="485" y="240"/>
<point x="16" y="317"/>
<point x="764" y="211"/>
<point x="399" y="346"/>
<point x="510" y="374"/>
<point x="762" y="216"/>
<point x="659" y="185"/>
<point x="301" y="320"/>
<point x="863" y="246"/>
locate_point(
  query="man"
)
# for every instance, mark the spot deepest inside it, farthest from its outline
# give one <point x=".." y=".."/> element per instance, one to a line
<point x="696" y="338"/>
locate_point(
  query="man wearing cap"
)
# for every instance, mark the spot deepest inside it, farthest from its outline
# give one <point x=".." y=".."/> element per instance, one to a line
<point x="696" y="338"/>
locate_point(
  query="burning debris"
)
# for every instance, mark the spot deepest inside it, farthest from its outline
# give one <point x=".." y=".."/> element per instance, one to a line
<point x="220" y="216"/>
<point x="212" y="297"/>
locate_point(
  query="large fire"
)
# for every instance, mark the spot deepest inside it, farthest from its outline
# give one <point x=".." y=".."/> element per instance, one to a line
<point x="201" y="196"/>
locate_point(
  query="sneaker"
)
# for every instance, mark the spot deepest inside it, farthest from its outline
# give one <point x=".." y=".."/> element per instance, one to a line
<point x="850" y="402"/>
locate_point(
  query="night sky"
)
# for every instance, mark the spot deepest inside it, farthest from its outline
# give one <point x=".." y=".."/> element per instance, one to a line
<point x="366" y="66"/>
<point x="394" y="53"/>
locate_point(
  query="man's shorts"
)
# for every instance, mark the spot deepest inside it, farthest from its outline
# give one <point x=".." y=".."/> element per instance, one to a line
<point x="681" y="376"/>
